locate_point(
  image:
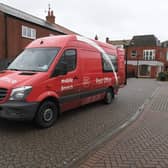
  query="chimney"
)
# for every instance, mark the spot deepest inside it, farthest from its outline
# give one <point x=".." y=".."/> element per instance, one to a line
<point x="50" y="18"/>
<point x="107" y="40"/>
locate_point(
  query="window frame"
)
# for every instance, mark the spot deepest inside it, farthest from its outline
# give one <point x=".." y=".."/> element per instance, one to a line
<point x="149" y="54"/>
<point x="28" y="32"/>
<point x="134" y="55"/>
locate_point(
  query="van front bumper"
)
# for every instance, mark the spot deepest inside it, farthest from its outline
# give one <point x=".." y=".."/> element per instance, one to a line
<point x="18" y="110"/>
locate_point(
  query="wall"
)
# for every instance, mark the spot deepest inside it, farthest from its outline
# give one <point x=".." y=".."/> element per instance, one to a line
<point x="140" y="52"/>
<point x="2" y="36"/>
<point x="131" y="71"/>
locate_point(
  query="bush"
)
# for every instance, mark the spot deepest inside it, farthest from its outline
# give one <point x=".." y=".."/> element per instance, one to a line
<point x="163" y="76"/>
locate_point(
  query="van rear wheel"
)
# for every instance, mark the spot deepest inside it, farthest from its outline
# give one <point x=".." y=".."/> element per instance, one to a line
<point x="109" y="96"/>
<point x="47" y="114"/>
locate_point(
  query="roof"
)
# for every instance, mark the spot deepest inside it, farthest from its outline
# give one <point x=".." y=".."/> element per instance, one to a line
<point x="119" y="42"/>
<point x="33" y="19"/>
<point x="145" y="40"/>
<point x="164" y="44"/>
<point x="64" y="29"/>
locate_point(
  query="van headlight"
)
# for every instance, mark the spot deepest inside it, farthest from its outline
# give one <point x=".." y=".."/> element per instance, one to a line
<point x="20" y="93"/>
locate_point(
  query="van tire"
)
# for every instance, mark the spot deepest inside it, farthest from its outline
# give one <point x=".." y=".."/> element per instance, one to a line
<point x="47" y="114"/>
<point x="109" y="96"/>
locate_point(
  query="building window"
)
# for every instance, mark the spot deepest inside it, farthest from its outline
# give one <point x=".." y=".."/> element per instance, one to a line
<point x="28" y="32"/>
<point x="134" y="53"/>
<point x="149" y="55"/>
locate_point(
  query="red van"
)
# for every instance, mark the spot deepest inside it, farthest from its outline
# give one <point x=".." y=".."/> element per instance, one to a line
<point x="58" y="73"/>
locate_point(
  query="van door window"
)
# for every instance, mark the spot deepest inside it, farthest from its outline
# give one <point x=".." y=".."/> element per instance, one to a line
<point x="69" y="58"/>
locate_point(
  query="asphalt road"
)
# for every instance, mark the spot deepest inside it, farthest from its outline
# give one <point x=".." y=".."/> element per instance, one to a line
<point x="74" y="135"/>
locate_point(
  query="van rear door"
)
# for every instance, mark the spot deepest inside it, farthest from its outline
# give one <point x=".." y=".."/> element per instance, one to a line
<point x="121" y="66"/>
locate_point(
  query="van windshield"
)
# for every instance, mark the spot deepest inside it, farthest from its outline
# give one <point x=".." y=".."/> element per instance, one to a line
<point x="34" y="59"/>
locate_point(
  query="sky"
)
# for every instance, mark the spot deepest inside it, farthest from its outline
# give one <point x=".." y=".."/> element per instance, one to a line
<point x="116" y="19"/>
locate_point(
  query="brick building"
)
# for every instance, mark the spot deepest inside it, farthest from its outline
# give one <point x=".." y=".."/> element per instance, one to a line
<point x="146" y="56"/>
<point x="19" y="28"/>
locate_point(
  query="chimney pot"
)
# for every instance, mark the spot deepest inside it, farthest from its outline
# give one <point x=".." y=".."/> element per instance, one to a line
<point x="52" y="13"/>
<point x="50" y="18"/>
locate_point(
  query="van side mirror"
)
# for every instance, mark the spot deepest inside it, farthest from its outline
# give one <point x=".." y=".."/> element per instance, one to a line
<point x="62" y="69"/>
<point x="9" y="63"/>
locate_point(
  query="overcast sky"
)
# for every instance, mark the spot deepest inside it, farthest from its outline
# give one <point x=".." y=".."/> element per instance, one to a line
<point x="116" y="19"/>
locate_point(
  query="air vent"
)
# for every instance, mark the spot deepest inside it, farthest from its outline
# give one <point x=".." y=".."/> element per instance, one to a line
<point x="27" y="73"/>
<point x="3" y="93"/>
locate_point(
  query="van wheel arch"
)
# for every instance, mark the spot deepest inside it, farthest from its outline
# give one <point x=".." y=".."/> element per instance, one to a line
<point x="109" y="96"/>
<point x="47" y="112"/>
<point x="53" y="99"/>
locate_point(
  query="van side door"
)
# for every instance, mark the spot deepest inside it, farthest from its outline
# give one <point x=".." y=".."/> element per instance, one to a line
<point x="69" y="79"/>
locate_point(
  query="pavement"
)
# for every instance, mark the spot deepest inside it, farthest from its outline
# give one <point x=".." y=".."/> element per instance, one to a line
<point x="142" y="144"/>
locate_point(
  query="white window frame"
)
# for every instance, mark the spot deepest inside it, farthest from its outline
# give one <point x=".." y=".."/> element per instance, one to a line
<point x="28" y="32"/>
<point x="149" y="55"/>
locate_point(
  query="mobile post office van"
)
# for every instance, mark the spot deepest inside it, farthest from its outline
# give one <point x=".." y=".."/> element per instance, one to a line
<point x="58" y="73"/>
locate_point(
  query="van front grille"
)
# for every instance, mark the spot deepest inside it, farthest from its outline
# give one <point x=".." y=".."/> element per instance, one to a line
<point x="3" y="93"/>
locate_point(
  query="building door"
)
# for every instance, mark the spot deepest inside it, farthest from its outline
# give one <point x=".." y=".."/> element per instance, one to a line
<point x="145" y="70"/>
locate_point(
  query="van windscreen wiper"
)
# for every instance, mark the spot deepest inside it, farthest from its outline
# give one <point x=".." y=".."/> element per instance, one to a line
<point x="13" y="69"/>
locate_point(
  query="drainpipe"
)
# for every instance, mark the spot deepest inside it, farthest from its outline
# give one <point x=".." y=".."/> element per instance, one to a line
<point x="6" y="36"/>
<point x="5" y="42"/>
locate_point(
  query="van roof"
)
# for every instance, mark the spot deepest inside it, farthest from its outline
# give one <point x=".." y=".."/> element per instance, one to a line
<point x="63" y="40"/>
<point x="51" y="41"/>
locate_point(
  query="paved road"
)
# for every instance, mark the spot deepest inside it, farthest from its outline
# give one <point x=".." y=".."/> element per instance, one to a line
<point x="143" y="144"/>
<point x="75" y="134"/>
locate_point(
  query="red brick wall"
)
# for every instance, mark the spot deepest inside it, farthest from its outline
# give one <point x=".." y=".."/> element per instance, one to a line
<point x="140" y="52"/>
<point x="163" y="56"/>
<point x="131" y="71"/>
<point x="2" y="35"/>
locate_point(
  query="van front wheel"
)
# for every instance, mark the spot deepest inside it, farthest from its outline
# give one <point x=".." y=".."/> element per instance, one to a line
<point x="109" y="97"/>
<point x="47" y="114"/>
